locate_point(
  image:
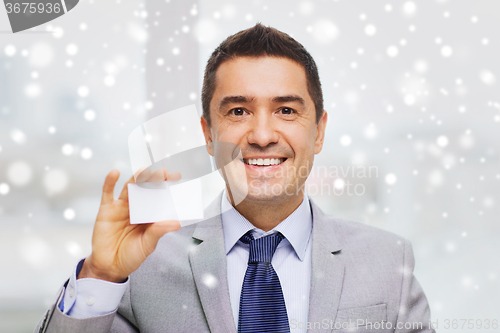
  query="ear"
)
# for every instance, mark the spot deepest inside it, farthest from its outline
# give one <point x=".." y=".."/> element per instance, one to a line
<point x="207" y="132"/>
<point x="320" y="133"/>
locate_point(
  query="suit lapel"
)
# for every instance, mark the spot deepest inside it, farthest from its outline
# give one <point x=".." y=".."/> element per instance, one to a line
<point x="327" y="271"/>
<point x="208" y="264"/>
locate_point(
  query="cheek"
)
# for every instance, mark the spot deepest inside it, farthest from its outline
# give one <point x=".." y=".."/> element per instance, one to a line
<point x="303" y="145"/>
<point x="228" y="135"/>
<point x="231" y="132"/>
<point x="221" y="132"/>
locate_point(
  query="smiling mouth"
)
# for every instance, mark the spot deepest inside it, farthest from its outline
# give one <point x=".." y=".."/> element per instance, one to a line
<point x="264" y="161"/>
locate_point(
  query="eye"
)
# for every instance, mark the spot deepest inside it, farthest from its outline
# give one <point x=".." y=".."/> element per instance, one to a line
<point x="237" y="111"/>
<point x="287" y="110"/>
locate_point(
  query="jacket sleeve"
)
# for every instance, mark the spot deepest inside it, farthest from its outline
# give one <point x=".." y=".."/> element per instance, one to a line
<point x="121" y="320"/>
<point x="414" y="312"/>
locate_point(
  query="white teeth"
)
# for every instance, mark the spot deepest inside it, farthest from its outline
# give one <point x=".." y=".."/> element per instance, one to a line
<point x="265" y="161"/>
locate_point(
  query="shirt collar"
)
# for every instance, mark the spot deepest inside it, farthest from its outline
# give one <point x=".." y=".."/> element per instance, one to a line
<point x="296" y="227"/>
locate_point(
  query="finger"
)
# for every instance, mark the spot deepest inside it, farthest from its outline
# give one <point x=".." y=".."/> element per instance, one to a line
<point x="109" y="187"/>
<point x="142" y="174"/>
<point x="158" y="176"/>
<point x="173" y="176"/>
<point x="124" y="193"/>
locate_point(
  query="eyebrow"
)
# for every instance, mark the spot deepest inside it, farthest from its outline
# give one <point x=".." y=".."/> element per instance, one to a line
<point x="249" y="99"/>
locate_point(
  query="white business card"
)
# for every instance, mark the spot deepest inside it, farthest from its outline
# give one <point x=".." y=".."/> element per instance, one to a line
<point x="159" y="201"/>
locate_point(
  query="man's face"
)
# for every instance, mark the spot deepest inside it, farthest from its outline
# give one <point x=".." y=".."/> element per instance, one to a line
<point x="263" y="105"/>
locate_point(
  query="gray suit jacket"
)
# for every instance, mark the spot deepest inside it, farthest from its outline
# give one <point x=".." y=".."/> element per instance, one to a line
<point x="360" y="276"/>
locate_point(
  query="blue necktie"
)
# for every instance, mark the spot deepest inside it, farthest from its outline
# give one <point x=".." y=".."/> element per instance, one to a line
<point x="262" y="306"/>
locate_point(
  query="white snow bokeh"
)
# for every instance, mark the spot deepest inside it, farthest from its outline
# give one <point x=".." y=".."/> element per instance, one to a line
<point x="86" y="153"/>
<point x="446" y="51"/>
<point x="370" y="30"/>
<point x="209" y="280"/>
<point x="410" y="88"/>
<point x="10" y="50"/>
<point x="18" y="136"/>
<point x="69" y="213"/>
<point x="67" y="149"/>
<point x="71" y="49"/>
<point x="390" y="179"/>
<point x="83" y="91"/>
<point x="392" y="51"/>
<point x="89" y="115"/>
<point x="206" y="31"/>
<point x="35" y="251"/>
<point x="421" y="66"/>
<point x="442" y="141"/>
<point x="137" y="32"/>
<point x="41" y="55"/>
<point x="409" y="8"/>
<point x="345" y="140"/>
<point x="306" y="7"/>
<point x="487" y="77"/>
<point x="55" y="181"/>
<point x="32" y="90"/>
<point x="19" y="173"/>
<point x="4" y="188"/>
<point x="325" y="31"/>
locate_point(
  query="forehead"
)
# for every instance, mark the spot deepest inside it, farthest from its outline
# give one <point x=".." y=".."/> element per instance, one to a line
<point x="262" y="77"/>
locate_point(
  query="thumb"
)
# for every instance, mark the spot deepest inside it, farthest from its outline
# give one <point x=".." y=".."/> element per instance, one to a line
<point x="155" y="231"/>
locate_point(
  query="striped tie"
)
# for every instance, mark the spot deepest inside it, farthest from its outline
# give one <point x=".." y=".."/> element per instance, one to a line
<point x="262" y="306"/>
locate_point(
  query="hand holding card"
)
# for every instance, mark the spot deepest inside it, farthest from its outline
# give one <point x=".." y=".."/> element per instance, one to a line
<point x="118" y="247"/>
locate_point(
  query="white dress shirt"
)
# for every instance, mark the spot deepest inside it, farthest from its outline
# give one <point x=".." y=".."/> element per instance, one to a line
<point x="89" y="297"/>
<point x="291" y="261"/>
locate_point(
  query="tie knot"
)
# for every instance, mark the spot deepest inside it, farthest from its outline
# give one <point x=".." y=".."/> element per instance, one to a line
<point x="262" y="249"/>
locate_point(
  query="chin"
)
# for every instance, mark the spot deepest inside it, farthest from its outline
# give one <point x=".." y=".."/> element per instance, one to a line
<point x="269" y="192"/>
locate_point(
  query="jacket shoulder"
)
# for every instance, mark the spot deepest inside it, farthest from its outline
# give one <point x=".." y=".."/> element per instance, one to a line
<point x="359" y="241"/>
<point x="358" y="230"/>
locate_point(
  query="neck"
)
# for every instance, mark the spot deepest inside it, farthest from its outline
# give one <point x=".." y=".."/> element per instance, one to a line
<point x="267" y="214"/>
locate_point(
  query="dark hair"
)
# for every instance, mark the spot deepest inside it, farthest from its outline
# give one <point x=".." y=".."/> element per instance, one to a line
<point x="261" y="41"/>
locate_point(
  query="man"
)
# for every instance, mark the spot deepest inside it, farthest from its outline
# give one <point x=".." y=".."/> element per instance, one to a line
<point x="262" y="92"/>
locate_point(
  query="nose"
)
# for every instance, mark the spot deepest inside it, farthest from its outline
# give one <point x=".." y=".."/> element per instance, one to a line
<point x="263" y="130"/>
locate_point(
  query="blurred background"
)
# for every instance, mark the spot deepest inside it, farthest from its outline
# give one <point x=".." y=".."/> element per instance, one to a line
<point x="412" y="146"/>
